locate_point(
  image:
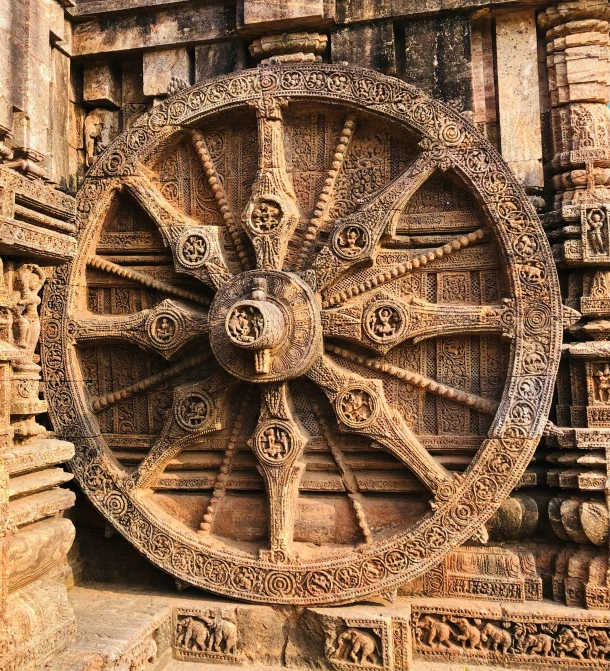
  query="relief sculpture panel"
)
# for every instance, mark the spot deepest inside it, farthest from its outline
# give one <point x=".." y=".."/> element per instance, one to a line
<point x="299" y="289"/>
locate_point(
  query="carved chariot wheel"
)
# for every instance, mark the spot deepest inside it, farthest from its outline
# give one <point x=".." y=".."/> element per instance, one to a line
<point x="255" y="288"/>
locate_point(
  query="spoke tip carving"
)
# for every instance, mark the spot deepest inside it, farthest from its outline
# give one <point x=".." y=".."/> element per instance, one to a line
<point x="322" y="207"/>
<point x="220" y="195"/>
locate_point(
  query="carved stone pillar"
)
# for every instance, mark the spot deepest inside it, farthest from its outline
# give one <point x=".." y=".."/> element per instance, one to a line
<point x="36" y="620"/>
<point x="578" y="47"/>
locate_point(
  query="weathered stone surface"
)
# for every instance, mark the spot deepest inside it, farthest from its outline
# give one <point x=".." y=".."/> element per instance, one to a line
<point x="264" y="14"/>
<point x="160" y="67"/>
<point x="399" y="270"/>
<point x="519" y="108"/>
<point x="148" y="28"/>
<point x="102" y="85"/>
<point x="438" y="58"/>
<point x="367" y="45"/>
<point x="219" y="58"/>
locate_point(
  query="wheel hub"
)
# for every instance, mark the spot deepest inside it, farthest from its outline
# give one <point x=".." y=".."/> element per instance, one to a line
<point x="265" y="326"/>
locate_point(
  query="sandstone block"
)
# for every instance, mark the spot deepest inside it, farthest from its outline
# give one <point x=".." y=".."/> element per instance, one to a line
<point x="36" y="549"/>
<point x="369" y="45"/>
<point x="268" y="12"/>
<point x="219" y="58"/>
<point x="101" y="85"/>
<point x="518" y="94"/>
<point x="160" y="67"/>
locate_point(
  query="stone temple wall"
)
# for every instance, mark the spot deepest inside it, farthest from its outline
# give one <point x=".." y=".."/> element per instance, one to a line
<point x="86" y="91"/>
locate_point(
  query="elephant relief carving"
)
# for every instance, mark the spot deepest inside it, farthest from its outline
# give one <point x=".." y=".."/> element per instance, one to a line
<point x="213" y="633"/>
<point x="357" y="647"/>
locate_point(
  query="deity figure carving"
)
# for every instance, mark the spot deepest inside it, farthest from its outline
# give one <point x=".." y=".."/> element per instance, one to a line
<point x="352" y="240"/>
<point x="29" y="279"/>
<point x="275" y="443"/>
<point x="594" y="227"/>
<point x="601" y="378"/>
<point x="384" y="323"/>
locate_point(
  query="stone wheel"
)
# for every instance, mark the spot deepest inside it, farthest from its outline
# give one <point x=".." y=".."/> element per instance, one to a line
<point x="288" y="338"/>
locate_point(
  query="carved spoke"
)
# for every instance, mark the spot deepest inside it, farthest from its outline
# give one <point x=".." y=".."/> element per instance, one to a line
<point x="402" y="269"/>
<point x="145" y="280"/>
<point x="220" y="195"/>
<point x="278" y="443"/>
<point x="196" y="248"/>
<point x="354" y="238"/>
<point x="220" y="483"/>
<point x="325" y="200"/>
<point x="383" y="322"/>
<point x="361" y="407"/>
<point x="197" y="409"/>
<point x="101" y="402"/>
<point x="347" y="475"/>
<point x="427" y="384"/>
<point x="271" y="215"/>
<point x="165" y="329"/>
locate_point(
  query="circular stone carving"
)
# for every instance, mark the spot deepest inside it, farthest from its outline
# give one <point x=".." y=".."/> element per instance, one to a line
<point x="266" y="216"/>
<point x="274" y="442"/>
<point x="357" y="407"/>
<point x="350" y="241"/>
<point x="163" y="329"/>
<point x="385" y="322"/>
<point x="386" y="111"/>
<point x="192" y="411"/>
<point x="192" y="250"/>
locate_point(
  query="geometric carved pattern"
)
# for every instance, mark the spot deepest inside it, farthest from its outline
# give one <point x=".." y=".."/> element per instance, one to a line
<point x="366" y="344"/>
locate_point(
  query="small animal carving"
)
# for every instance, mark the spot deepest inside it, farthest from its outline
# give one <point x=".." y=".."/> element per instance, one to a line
<point x="436" y="633"/>
<point x="469" y="635"/>
<point x="194" y="634"/>
<point x="356" y="646"/>
<point x="568" y="643"/>
<point x="499" y="640"/>
<point x="538" y="644"/>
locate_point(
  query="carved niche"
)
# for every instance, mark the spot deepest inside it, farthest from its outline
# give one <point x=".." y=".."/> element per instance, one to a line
<point x="299" y="289"/>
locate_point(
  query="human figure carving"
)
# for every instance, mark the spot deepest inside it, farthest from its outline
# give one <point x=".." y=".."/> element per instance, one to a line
<point x="356" y="405"/>
<point x="500" y="640"/>
<point x="94" y="146"/>
<point x="26" y="321"/>
<point x="600" y="643"/>
<point x="351" y="241"/>
<point x="594" y="227"/>
<point x="602" y="380"/>
<point x="356" y="646"/>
